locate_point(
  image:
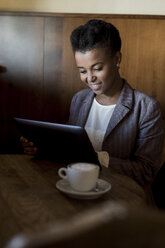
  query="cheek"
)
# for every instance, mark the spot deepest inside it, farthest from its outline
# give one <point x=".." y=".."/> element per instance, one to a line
<point x="102" y="76"/>
<point x="83" y="78"/>
<point x="108" y="74"/>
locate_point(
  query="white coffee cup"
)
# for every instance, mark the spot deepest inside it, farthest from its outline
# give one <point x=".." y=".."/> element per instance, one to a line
<point x="81" y="176"/>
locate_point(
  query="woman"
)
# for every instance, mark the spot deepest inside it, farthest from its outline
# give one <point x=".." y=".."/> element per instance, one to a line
<point x="120" y="120"/>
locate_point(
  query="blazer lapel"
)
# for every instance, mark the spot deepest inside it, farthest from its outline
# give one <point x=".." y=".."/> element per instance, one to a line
<point x="84" y="110"/>
<point x="123" y="107"/>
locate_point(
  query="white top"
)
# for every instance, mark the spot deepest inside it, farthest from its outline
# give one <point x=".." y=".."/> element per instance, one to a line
<point x="97" y="122"/>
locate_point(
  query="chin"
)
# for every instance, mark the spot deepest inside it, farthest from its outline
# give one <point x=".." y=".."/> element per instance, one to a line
<point x="97" y="92"/>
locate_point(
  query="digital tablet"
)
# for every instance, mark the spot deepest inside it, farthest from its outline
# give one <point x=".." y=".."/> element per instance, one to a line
<point x="58" y="142"/>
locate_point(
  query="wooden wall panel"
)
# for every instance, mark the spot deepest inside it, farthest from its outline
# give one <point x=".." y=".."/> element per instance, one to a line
<point x="38" y="74"/>
<point x="52" y="69"/>
<point x="21" y="53"/>
<point x="144" y="55"/>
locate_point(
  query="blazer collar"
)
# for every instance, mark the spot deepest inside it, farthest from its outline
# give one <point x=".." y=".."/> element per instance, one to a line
<point x="123" y="107"/>
<point x="85" y="108"/>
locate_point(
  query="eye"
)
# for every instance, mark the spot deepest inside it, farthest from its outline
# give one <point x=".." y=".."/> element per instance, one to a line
<point x="82" y="71"/>
<point x="98" y="68"/>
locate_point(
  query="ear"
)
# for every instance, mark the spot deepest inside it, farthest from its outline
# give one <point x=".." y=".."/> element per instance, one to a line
<point x="118" y="57"/>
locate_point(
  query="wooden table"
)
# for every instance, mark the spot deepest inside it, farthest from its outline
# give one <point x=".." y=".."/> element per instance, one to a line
<point x="29" y="199"/>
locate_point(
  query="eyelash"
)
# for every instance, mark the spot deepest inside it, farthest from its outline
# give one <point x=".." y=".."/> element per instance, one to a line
<point x="98" y="69"/>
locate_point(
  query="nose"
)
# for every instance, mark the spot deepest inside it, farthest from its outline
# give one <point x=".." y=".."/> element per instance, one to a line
<point x="91" y="78"/>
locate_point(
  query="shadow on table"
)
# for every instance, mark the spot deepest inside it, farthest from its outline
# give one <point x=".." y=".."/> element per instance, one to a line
<point x="158" y="188"/>
<point x="108" y="225"/>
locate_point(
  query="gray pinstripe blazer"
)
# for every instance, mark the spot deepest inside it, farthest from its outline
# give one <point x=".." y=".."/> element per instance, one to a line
<point x="134" y="135"/>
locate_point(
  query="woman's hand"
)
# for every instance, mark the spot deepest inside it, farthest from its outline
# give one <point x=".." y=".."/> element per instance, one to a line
<point x="103" y="158"/>
<point x="28" y="146"/>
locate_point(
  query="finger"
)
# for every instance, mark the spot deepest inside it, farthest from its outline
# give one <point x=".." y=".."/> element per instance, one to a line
<point x="30" y="150"/>
<point x="29" y="153"/>
<point x="23" y="139"/>
<point x="28" y="144"/>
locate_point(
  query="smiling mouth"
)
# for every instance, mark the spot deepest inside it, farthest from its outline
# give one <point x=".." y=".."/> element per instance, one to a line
<point x="95" y="87"/>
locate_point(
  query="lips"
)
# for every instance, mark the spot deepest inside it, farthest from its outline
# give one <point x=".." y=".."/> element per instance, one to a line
<point x="95" y="87"/>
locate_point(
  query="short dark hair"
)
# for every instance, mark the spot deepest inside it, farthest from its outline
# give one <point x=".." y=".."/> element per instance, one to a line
<point x="95" y="33"/>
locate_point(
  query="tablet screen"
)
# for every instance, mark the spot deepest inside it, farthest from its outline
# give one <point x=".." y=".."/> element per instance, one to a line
<point x="59" y="142"/>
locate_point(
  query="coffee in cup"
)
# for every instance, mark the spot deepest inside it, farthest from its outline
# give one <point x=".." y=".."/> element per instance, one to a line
<point x="81" y="176"/>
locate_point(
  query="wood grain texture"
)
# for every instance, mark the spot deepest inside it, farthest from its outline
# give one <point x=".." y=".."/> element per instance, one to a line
<point x="21" y="53"/>
<point x="38" y="76"/>
<point x="30" y="200"/>
<point x="109" y="225"/>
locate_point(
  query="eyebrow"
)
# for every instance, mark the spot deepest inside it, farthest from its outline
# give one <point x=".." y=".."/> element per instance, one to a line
<point x="81" y="67"/>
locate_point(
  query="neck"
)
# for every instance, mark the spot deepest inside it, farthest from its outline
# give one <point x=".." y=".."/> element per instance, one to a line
<point x="110" y="99"/>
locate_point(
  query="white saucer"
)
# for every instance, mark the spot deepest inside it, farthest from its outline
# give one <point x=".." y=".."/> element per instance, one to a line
<point x="102" y="188"/>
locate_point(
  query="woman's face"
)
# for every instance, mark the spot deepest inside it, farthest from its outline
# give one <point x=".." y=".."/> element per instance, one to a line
<point x="98" y="70"/>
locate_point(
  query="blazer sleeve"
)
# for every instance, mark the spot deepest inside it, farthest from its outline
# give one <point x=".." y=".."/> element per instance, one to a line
<point x="73" y="111"/>
<point x="145" y="160"/>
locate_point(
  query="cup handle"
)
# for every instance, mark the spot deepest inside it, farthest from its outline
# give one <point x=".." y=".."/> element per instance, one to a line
<point x="62" y="172"/>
